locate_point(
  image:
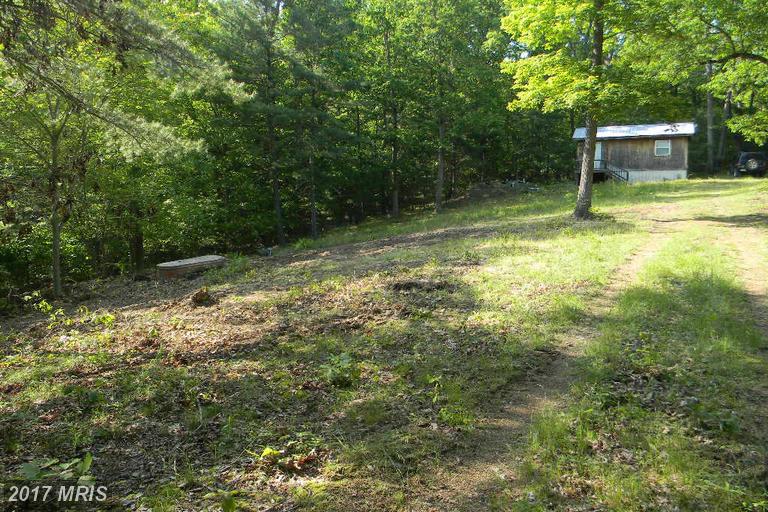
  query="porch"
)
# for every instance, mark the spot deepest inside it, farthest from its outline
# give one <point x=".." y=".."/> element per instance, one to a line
<point x="603" y="171"/>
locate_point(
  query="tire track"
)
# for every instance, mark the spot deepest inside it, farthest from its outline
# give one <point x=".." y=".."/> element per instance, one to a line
<point x="468" y="481"/>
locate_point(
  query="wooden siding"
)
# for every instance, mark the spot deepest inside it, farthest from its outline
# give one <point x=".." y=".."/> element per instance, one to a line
<point x="638" y="154"/>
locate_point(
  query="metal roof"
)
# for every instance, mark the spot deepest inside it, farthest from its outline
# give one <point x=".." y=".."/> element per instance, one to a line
<point x="639" y="131"/>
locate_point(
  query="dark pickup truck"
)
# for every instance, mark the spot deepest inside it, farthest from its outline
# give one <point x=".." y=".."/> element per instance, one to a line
<point x="752" y="163"/>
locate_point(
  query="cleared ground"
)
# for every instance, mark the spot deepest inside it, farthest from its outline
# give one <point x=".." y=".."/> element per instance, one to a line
<point x="496" y="357"/>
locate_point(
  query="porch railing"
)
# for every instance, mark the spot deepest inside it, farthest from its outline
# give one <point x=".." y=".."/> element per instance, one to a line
<point x="618" y="173"/>
<point x="602" y="166"/>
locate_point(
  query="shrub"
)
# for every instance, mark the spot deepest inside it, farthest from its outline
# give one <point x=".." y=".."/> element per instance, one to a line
<point x="341" y="371"/>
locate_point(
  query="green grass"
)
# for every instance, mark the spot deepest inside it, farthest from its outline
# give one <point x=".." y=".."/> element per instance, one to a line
<point x="664" y="415"/>
<point x="330" y="380"/>
<point x="552" y="200"/>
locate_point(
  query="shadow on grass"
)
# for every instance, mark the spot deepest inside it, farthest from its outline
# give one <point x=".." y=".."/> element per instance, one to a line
<point x="523" y="215"/>
<point x="552" y="200"/>
<point x="151" y="412"/>
<point x="671" y="409"/>
<point x="756" y="220"/>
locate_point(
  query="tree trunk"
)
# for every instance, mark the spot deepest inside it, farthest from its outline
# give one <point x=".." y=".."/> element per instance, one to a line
<point x="275" y="176"/>
<point x="271" y="140"/>
<point x="393" y="174"/>
<point x="724" y="127"/>
<point x="56" y="220"/>
<point x="358" y="136"/>
<point x="710" y="124"/>
<point x="277" y="204"/>
<point x="482" y="164"/>
<point x="312" y="197"/>
<point x="136" y="238"/>
<point x="584" y="197"/>
<point x="394" y="163"/>
<point x="314" y="129"/>
<point x="395" y="197"/>
<point x="385" y="192"/>
<point x="56" y="225"/>
<point x="452" y="174"/>
<point x="137" y="250"/>
<point x="440" y="181"/>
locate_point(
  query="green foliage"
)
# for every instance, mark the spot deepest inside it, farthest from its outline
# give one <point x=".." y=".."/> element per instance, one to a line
<point x="226" y="499"/>
<point x="456" y="416"/>
<point x="321" y="113"/>
<point x="237" y="267"/>
<point x="103" y="318"/>
<point x="163" y="497"/>
<point x="25" y="260"/>
<point x="683" y="35"/>
<point x="551" y="65"/>
<point x="341" y="370"/>
<point x="329" y="112"/>
<point x="78" y="468"/>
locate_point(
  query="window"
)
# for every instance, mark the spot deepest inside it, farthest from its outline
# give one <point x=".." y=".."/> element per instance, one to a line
<point x="663" y="148"/>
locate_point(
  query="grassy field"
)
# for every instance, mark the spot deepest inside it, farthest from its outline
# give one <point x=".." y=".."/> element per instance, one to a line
<point x="499" y="356"/>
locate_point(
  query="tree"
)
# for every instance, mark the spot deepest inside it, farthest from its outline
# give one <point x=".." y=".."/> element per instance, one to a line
<point x="116" y="28"/>
<point x="710" y="122"/>
<point x="54" y="139"/>
<point x="254" y="43"/>
<point x="321" y="113"/>
<point x="320" y="30"/>
<point x="63" y="106"/>
<point x="730" y="39"/>
<point x="567" y="57"/>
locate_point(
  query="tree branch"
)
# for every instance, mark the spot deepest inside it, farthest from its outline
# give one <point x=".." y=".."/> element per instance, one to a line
<point x="740" y="56"/>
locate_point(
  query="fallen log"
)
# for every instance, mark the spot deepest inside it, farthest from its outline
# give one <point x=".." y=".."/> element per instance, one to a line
<point x="178" y="268"/>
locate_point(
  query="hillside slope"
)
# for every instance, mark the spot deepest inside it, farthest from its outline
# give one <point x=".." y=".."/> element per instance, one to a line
<point x="498" y="356"/>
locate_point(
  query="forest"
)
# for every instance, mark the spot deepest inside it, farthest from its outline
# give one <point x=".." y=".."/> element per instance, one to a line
<point x="134" y="131"/>
<point x="433" y="292"/>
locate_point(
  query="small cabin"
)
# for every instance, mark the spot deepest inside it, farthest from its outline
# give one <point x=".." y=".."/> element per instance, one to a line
<point x="639" y="152"/>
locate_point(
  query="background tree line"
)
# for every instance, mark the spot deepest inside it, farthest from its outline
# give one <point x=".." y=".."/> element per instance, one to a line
<point x="135" y="131"/>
